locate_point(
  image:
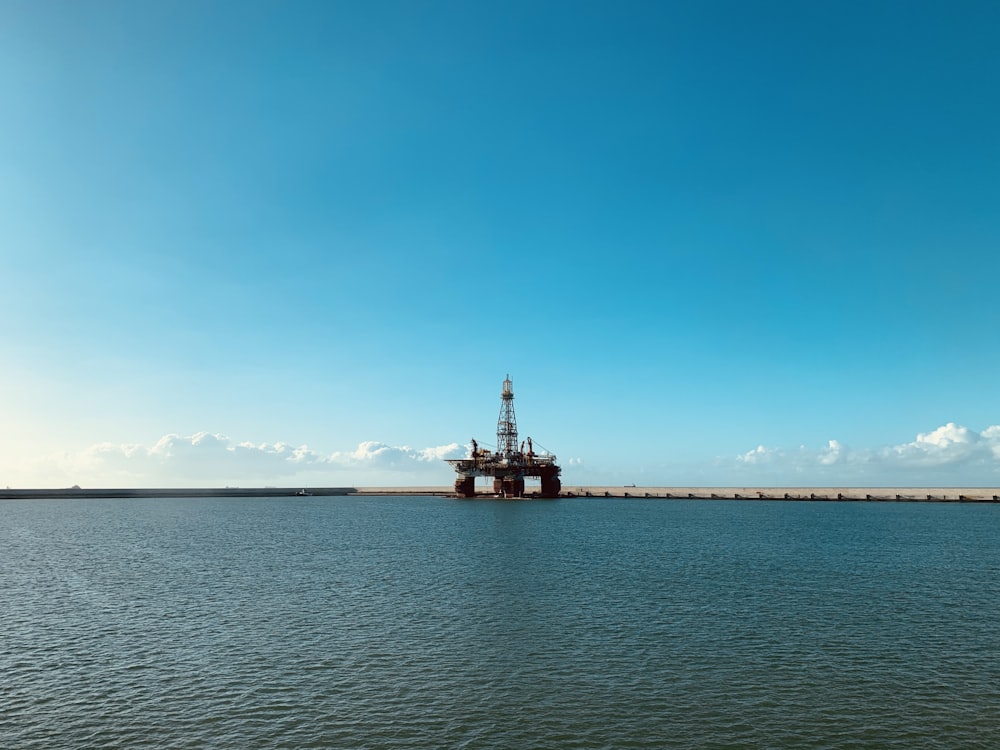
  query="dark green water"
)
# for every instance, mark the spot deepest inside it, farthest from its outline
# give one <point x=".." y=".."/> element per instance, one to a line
<point x="426" y="622"/>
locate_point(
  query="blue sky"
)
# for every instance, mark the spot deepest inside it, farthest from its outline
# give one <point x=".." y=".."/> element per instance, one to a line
<point x="290" y="243"/>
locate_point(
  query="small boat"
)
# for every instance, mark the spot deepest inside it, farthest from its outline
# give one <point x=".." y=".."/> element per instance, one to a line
<point x="303" y="493"/>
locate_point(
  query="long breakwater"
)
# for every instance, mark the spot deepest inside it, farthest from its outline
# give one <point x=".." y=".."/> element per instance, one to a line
<point x="863" y="494"/>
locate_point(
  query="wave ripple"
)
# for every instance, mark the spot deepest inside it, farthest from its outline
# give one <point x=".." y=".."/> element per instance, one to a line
<point x="420" y="622"/>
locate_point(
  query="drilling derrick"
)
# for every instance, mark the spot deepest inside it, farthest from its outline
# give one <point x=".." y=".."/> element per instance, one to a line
<point x="506" y="423"/>
<point x="510" y="464"/>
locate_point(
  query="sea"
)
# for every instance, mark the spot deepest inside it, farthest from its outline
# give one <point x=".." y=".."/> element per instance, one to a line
<point x="428" y="622"/>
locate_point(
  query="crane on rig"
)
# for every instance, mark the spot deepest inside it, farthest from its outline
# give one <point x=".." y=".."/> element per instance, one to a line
<point x="510" y="463"/>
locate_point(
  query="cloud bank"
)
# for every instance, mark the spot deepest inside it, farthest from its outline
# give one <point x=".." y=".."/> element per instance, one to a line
<point x="949" y="455"/>
<point x="212" y="459"/>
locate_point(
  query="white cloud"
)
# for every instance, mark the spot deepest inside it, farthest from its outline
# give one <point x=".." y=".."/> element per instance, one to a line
<point x="947" y="435"/>
<point x="214" y="459"/>
<point x="835" y="453"/>
<point x="442" y="452"/>
<point x="373" y="453"/>
<point x="758" y="455"/>
<point x="951" y="454"/>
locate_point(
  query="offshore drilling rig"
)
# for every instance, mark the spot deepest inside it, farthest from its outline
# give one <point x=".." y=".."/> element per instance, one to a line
<point x="510" y="464"/>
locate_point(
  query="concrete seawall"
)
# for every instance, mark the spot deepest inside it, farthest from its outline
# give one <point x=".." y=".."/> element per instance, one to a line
<point x="871" y="494"/>
<point x="901" y="494"/>
<point x="76" y="492"/>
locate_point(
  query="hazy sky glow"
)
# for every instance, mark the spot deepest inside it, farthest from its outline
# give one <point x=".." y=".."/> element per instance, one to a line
<point x="303" y="242"/>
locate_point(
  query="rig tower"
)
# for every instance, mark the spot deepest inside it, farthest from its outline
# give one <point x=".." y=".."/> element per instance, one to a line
<point x="510" y="464"/>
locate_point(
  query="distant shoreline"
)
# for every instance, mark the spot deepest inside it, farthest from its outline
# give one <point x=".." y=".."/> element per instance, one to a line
<point x="870" y="494"/>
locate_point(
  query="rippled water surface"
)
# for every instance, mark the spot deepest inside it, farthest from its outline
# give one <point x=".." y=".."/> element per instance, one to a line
<point x="426" y="622"/>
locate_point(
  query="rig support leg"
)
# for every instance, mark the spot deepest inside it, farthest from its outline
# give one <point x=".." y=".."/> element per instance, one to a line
<point x="551" y="486"/>
<point x="513" y="487"/>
